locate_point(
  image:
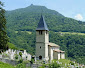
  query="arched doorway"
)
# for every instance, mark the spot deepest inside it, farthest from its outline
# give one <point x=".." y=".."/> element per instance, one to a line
<point x="40" y="57"/>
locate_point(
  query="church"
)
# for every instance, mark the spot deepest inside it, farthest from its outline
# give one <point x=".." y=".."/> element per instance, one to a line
<point x="46" y="50"/>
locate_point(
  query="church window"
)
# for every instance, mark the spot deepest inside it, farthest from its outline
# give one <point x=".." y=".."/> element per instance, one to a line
<point x="40" y="47"/>
<point x="46" y="32"/>
<point x="40" y="32"/>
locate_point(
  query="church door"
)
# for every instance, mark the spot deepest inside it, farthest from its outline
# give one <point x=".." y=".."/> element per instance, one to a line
<point x="40" y="57"/>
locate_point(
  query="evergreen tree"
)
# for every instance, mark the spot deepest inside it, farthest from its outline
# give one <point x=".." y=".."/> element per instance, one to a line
<point x="3" y="34"/>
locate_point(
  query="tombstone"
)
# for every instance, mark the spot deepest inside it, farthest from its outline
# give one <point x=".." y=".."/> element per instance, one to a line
<point x="73" y="61"/>
<point x="12" y="51"/>
<point x="56" y="61"/>
<point x="12" y="56"/>
<point x="35" y="59"/>
<point x="29" y="57"/>
<point x="9" y="50"/>
<point x="60" y="62"/>
<point x="68" y="64"/>
<point x="6" y="51"/>
<point x="34" y="66"/>
<point x="65" y="64"/>
<point x="25" y="52"/>
<point x="0" y="56"/>
<point x="78" y="64"/>
<point x="72" y="66"/>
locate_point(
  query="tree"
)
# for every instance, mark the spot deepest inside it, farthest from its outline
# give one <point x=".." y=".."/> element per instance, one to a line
<point x="3" y="34"/>
<point x="20" y="53"/>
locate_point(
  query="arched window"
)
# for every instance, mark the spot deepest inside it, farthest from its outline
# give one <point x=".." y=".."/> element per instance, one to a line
<point x="40" y="57"/>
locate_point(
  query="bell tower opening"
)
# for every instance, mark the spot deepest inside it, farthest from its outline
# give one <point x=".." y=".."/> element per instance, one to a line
<point x="40" y="32"/>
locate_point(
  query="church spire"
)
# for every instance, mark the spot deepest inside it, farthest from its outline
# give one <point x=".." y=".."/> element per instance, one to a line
<point x="42" y="24"/>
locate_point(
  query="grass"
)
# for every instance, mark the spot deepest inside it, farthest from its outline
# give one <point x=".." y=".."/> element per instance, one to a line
<point x="12" y="46"/>
<point x="29" y="32"/>
<point x="5" y="65"/>
<point x="66" y="63"/>
<point x="24" y="31"/>
<point x="74" y="33"/>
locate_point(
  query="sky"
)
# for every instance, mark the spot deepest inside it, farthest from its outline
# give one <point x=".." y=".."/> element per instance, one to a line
<point x="69" y="8"/>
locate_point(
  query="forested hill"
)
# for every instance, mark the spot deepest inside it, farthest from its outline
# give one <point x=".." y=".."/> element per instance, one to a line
<point x="22" y="23"/>
<point x="28" y="18"/>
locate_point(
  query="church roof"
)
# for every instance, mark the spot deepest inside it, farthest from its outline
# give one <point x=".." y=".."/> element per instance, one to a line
<point x="59" y="51"/>
<point x="42" y="24"/>
<point x="53" y="44"/>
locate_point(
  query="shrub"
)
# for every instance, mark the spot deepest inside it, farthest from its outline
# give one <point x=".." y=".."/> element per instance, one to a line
<point x="16" y="56"/>
<point x="71" y="63"/>
<point x="21" y="60"/>
<point x="21" y="65"/>
<point x="32" y="61"/>
<point x="20" y="53"/>
<point x="54" y="65"/>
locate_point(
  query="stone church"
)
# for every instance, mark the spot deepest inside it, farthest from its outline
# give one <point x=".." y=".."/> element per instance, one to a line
<point x="46" y="50"/>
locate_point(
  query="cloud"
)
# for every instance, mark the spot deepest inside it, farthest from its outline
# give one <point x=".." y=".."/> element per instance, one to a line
<point x="79" y="17"/>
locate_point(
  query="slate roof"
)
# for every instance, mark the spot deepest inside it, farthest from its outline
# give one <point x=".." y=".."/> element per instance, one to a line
<point x="59" y="51"/>
<point x="53" y="44"/>
<point x="42" y="24"/>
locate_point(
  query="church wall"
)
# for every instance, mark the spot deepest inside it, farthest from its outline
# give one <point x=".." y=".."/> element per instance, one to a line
<point x="46" y="51"/>
<point x="62" y="55"/>
<point x="42" y="41"/>
<point x="55" y="55"/>
<point x="59" y="55"/>
<point x="51" y="51"/>
<point x="46" y="36"/>
<point x="40" y="50"/>
<point x="40" y="38"/>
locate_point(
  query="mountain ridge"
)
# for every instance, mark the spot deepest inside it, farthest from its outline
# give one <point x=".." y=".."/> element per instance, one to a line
<point x="30" y="15"/>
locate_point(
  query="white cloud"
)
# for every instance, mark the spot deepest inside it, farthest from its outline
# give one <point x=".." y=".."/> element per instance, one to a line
<point x="79" y="17"/>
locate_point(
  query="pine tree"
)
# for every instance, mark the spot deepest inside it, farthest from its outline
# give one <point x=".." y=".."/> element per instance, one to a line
<point x="3" y="34"/>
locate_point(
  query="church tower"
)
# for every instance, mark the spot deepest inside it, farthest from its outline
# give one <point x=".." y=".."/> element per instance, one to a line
<point x="42" y="40"/>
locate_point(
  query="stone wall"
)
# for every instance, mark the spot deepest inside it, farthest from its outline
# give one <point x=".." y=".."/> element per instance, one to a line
<point x="12" y="62"/>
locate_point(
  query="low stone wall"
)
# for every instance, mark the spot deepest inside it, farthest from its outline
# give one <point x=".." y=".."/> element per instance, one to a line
<point x="34" y="66"/>
<point x="12" y="62"/>
<point x="37" y="66"/>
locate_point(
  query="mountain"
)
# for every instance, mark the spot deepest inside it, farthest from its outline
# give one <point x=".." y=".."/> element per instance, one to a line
<point x="21" y="25"/>
<point x="27" y="19"/>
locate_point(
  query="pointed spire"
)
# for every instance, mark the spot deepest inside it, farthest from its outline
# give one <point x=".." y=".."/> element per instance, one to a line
<point x="42" y="24"/>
